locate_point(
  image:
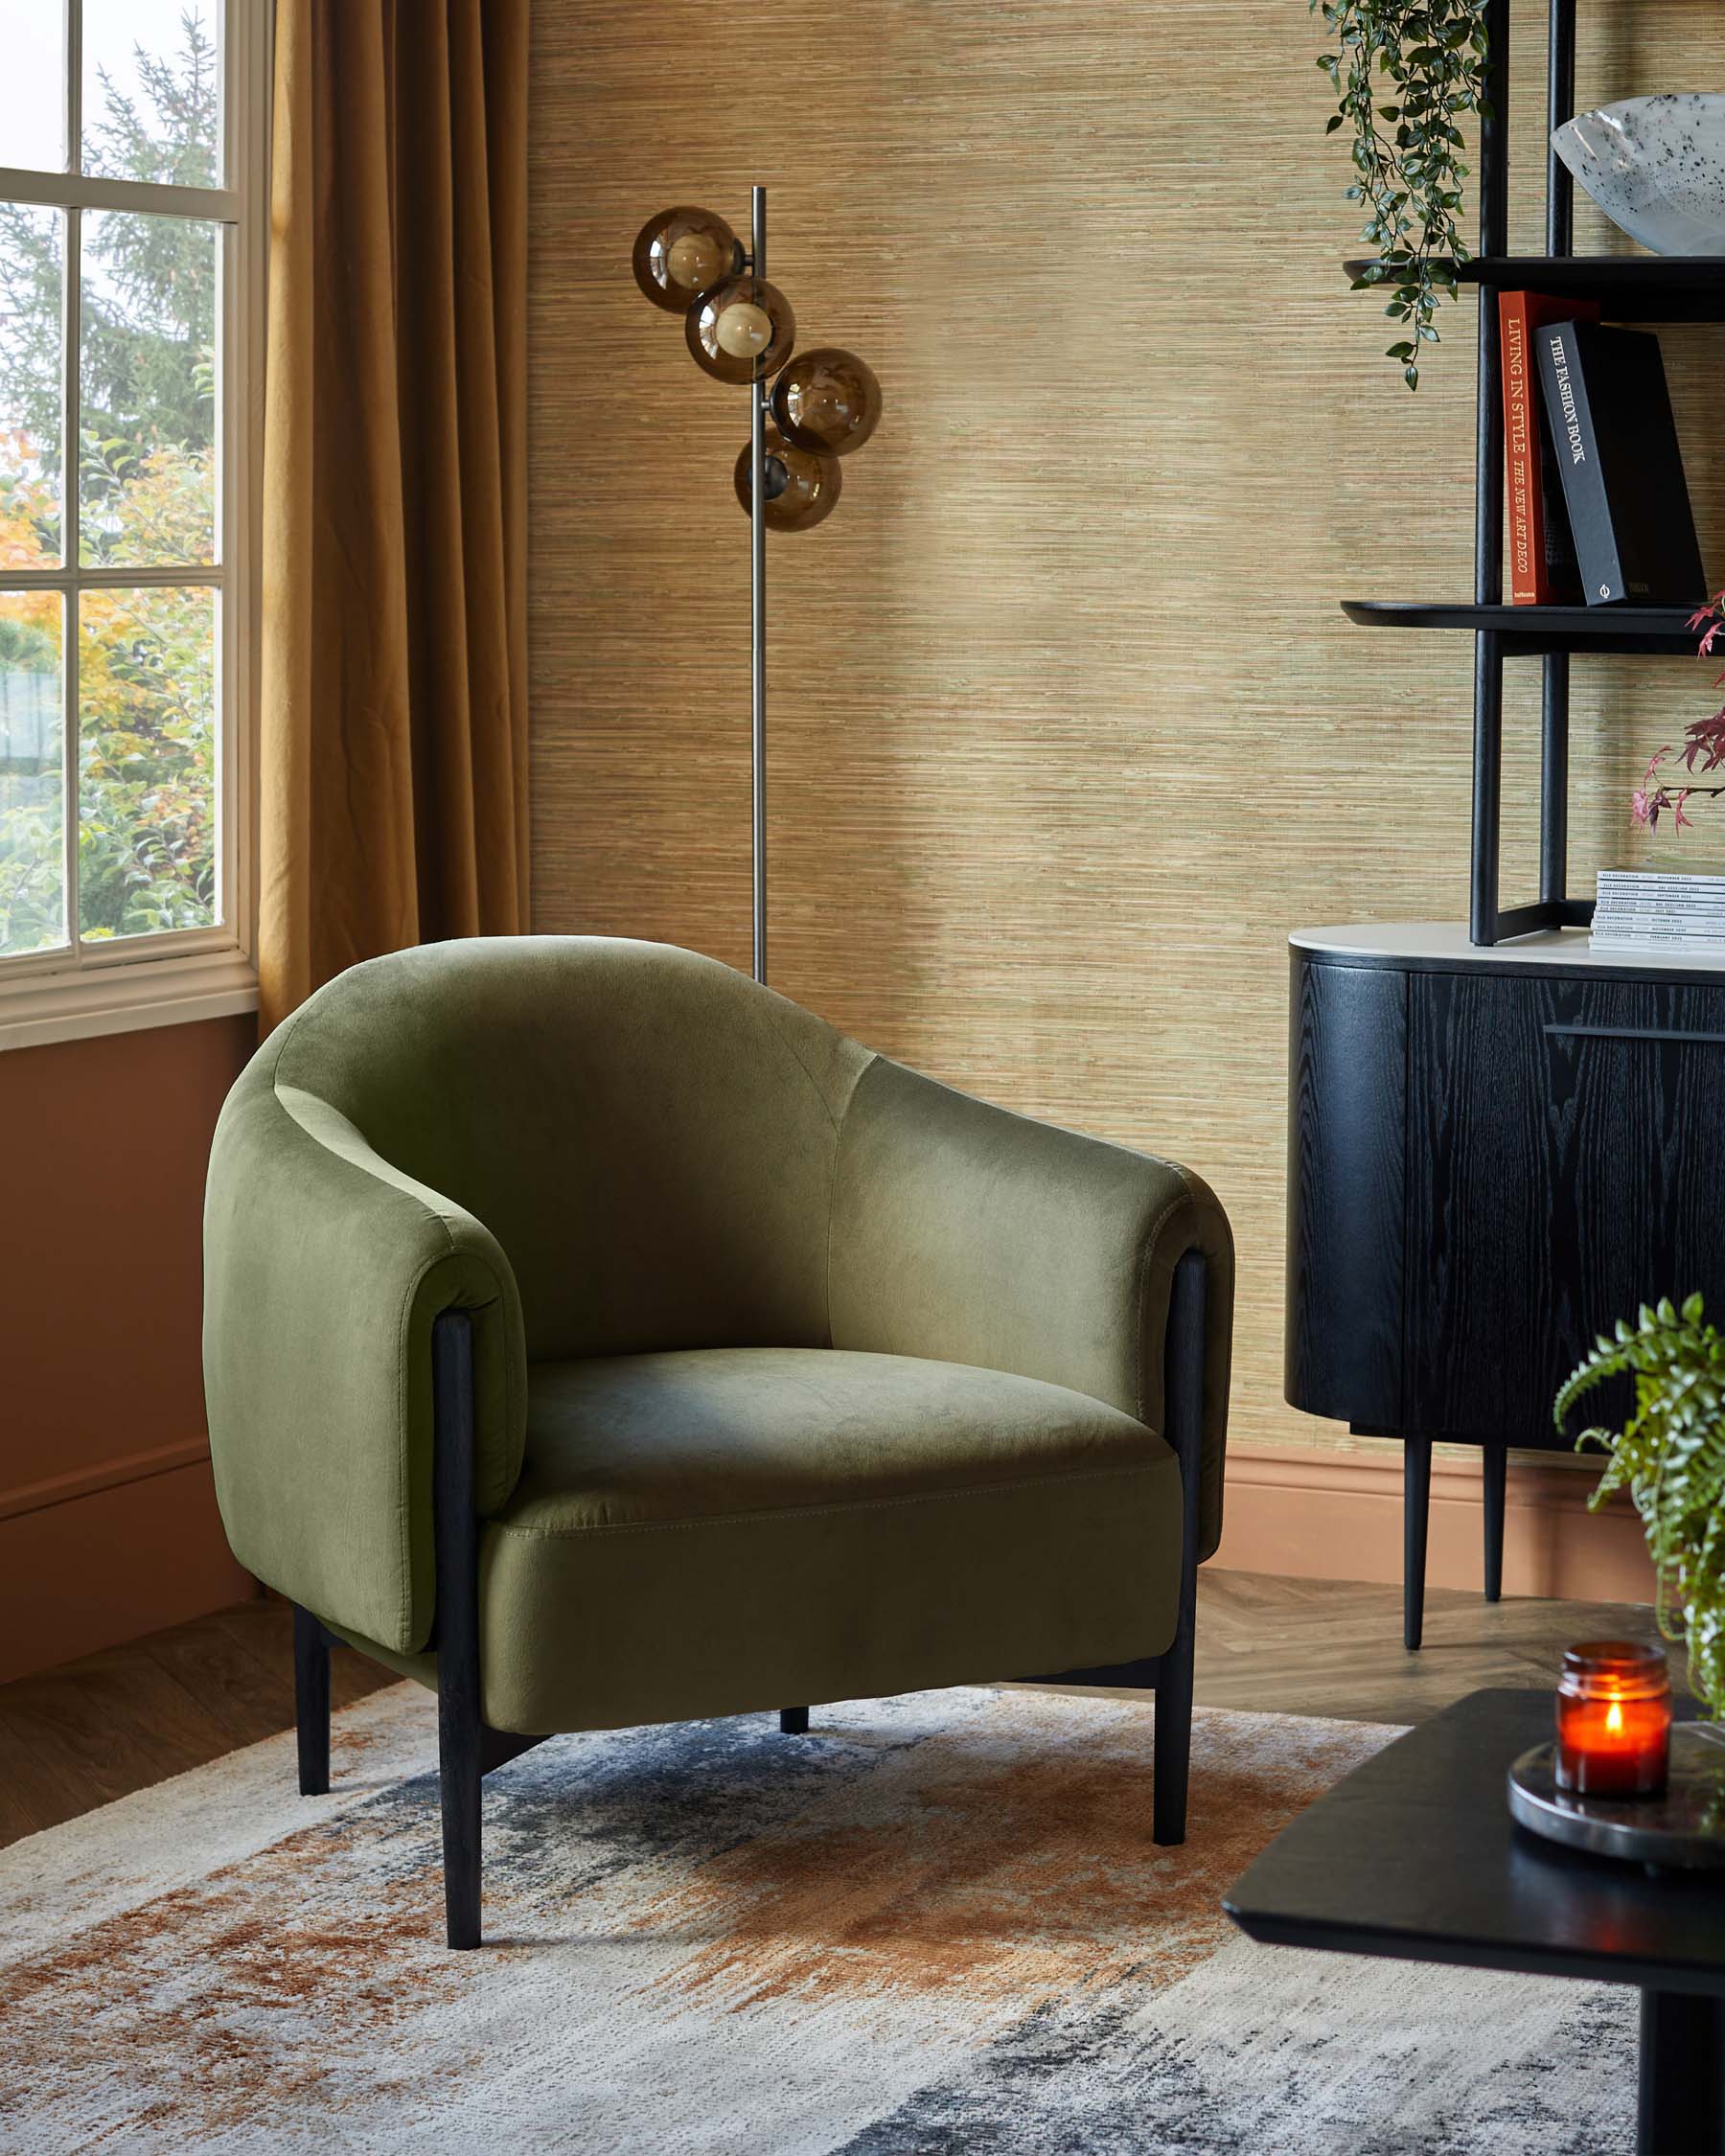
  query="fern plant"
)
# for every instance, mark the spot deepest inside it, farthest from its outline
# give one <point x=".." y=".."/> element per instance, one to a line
<point x="1671" y="1456"/>
<point x="1429" y="57"/>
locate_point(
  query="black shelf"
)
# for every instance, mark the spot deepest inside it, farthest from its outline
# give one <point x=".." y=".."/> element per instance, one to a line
<point x="1629" y="288"/>
<point x="1531" y="632"/>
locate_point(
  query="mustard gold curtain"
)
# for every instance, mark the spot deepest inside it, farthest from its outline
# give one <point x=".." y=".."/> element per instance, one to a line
<point x="394" y="719"/>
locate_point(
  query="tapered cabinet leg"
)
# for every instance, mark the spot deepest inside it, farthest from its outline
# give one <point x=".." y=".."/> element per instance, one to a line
<point x="1417" y="1496"/>
<point x="793" y="1721"/>
<point x="1496" y="1473"/>
<point x="312" y="1703"/>
<point x="1183" y="1375"/>
<point x="456" y="1537"/>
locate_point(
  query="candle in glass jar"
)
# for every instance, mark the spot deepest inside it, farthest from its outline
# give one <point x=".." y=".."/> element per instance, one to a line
<point x="1614" y="1719"/>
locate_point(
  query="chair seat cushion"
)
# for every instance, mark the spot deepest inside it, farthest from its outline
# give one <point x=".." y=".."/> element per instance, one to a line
<point x="714" y="1530"/>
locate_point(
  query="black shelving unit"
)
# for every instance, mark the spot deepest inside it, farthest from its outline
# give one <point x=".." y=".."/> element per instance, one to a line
<point x="1640" y="288"/>
<point x="1635" y="288"/>
<point x="1533" y="631"/>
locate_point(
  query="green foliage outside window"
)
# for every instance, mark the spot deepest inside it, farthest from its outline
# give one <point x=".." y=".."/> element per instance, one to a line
<point x="147" y="486"/>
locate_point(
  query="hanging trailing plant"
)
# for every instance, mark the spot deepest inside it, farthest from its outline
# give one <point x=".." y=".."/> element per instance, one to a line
<point x="1430" y="56"/>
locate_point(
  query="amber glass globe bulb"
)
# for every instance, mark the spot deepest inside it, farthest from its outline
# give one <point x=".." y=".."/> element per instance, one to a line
<point x="741" y="331"/>
<point x="743" y="328"/>
<point x="681" y="253"/>
<point x="827" y="401"/>
<point x="801" y="487"/>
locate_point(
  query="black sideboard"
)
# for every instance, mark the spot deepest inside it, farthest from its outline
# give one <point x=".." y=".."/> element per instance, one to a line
<point x="1493" y="1153"/>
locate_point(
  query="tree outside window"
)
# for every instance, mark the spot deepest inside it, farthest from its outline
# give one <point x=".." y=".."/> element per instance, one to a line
<point x="146" y="474"/>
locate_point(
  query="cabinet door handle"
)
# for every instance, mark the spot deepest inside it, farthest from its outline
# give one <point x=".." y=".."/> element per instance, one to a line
<point x="1631" y="1033"/>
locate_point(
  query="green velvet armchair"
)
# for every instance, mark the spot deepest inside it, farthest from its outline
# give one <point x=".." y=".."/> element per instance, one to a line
<point x="600" y="1339"/>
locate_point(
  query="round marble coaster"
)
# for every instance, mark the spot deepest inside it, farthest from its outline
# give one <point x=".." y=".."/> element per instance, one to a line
<point x="1685" y="1828"/>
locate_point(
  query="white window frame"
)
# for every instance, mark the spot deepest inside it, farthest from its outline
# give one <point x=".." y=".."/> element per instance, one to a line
<point x="146" y="981"/>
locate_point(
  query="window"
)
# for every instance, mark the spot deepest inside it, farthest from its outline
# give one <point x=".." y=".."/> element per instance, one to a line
<point x="131" y="278"/>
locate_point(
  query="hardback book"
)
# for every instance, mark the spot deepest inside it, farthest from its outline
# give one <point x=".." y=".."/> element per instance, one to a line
<point x="1543" y="570"/>
<point x="1621" y="467"/>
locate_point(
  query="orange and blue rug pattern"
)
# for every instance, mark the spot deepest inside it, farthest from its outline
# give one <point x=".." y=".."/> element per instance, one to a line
<point x="936" y="1923"/>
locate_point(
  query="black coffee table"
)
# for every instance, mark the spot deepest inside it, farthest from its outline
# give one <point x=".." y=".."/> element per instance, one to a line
<point x="1414" y="1855"/>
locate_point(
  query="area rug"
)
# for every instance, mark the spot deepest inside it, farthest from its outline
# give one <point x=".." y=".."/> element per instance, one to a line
<point x="936" y="1923"/>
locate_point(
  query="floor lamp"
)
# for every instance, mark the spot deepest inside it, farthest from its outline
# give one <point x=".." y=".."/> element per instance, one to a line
<point x="823" y="403"/>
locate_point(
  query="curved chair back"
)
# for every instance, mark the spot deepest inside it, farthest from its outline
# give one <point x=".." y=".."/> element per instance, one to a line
<point x="649" y="1134"/>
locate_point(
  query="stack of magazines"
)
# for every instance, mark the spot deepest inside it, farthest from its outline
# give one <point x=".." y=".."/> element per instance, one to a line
<point x="1641" y="911"/>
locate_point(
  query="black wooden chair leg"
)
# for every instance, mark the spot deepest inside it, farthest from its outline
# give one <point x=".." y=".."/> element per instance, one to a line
<point x="459" y="1776"/>
<point x="1173" y="1756"/>
<point x="456" y="1538"/>
<point x="1182" y="1417"/>
<point x="793" y="1721"/>
<point x="312" y="1702"/>
<point x="1495" y="1468"/>
<point x="1417" y="1493"/>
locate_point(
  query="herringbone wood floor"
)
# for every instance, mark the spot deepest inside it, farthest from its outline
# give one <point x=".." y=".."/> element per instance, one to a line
<point x="82" y="1734"/>
<point x="1333" y="1647"/>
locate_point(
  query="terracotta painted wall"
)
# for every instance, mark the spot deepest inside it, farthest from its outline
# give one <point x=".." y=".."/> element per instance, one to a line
<point x="108" y="1518"/>
<point x="1066" y="729"/>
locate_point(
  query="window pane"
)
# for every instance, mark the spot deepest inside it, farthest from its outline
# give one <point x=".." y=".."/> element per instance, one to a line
<point x="146" y="761"/>
<point x="33" y="896"/>
<point x="33" y="85"/>
<point x="153" y="90"/>
<point x="147" y="470"/>
<point x="32" y="250"/>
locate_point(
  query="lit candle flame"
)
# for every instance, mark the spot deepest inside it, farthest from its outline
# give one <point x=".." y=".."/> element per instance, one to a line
<point x="1614" y="1719"/>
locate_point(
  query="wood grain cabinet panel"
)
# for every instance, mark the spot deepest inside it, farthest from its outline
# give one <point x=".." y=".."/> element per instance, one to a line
<point x="1486" y="1168"/>
<point x="1492" y="1155"/>
<point x="1346" y="1200"/>
<point x="1561" y="1170"/>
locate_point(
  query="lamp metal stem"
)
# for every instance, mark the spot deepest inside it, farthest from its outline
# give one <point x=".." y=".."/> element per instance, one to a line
<point x="757" y="554"/>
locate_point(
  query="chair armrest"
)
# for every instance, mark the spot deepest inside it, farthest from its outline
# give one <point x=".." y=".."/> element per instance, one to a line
<point x="324" y="1268"/>
<point x="969" y="1234"/>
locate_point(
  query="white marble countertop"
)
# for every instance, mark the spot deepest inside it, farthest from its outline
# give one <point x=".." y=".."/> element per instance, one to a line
<point x="1445" y="943"/>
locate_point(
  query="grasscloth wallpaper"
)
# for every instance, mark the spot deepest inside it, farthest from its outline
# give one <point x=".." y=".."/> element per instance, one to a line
<point x="1067" y="731"/>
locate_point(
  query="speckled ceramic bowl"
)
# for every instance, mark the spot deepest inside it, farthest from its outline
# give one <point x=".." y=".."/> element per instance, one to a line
<point x="1656" y="167"/>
